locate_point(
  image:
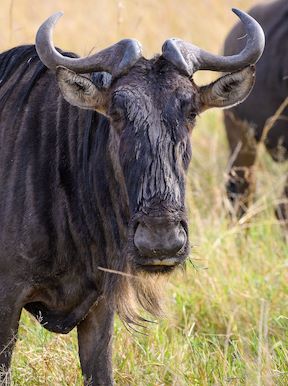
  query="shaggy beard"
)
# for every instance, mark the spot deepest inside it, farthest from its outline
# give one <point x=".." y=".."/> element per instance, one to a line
<point x="129" y="292"/>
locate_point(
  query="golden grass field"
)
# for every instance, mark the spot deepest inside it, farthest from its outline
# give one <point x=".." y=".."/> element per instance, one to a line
<point x="97" y="23"/>
<point x="227" y="316"/>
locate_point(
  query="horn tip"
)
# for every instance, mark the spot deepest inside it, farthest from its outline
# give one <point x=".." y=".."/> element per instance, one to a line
<point x="57" y="15"/>
<point x="255" y="29"/>
<point x="238" y="11"/>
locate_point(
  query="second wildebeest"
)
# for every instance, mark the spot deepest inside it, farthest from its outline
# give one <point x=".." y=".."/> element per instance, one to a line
<point x="245" y="123"/>
<point x="93" y="159"/>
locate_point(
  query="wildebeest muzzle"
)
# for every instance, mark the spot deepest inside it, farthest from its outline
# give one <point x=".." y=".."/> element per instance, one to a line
<point x="161" y="242"/>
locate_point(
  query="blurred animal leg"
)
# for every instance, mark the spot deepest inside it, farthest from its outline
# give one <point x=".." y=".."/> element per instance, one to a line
<point x="282" y="209"/>
<point x="240" y="185"/>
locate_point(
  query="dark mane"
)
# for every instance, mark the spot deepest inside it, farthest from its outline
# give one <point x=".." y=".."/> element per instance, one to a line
<point x="24" y="57"/>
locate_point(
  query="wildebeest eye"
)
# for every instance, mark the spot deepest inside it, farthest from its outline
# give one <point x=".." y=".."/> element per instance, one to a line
<point x="191" y="116"/>
<point x="188" y="111"/>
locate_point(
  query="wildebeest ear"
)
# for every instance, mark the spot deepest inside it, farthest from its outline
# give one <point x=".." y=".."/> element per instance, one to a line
<point x="79" y="90"/>
<point x="229" y="90"/>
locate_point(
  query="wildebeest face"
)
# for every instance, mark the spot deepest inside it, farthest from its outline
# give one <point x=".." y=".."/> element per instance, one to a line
<point x="152" y="110"/>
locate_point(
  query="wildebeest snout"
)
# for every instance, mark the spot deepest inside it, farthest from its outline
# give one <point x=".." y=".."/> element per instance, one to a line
<point x="158" y="238"/>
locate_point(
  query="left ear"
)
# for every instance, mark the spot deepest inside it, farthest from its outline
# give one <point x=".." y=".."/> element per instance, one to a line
<point x="229" y="90"/>
<point x="80" y="91"/>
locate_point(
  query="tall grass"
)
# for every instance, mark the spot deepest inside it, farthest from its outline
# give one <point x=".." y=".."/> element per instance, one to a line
<point x="226" y="320"/>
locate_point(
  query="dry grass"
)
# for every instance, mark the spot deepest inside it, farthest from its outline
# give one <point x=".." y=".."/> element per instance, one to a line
<point x="99" y="23"/>
<point x="149" y="21"/>
<point x="227" y="315"/>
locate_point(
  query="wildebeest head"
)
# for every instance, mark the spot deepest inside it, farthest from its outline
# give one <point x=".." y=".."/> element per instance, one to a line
<point x="152" y="106"/>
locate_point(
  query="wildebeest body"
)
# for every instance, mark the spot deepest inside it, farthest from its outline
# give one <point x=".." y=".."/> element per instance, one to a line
<point x="64" y="209"/>
<point x="92" y="197"/>
<point x="245" y="122"/>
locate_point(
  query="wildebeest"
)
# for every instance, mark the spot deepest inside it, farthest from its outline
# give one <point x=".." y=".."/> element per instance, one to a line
<point x="92" y="180"/>
<point x="245" y="123"/>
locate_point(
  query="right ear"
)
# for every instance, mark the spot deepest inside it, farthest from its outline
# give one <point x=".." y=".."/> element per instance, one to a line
<point x="229" y="90"/>
<point x="80" y="91"/>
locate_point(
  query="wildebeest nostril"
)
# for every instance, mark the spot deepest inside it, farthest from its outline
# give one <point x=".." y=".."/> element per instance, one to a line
<point x="159" y="239"/>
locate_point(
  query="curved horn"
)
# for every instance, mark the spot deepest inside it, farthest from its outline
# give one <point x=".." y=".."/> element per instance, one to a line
<point x="115" y="59"/>
<point x="190" y="58"/>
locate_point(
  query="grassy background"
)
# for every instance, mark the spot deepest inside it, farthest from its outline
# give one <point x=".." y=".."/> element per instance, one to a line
<point x="227" y="315"/>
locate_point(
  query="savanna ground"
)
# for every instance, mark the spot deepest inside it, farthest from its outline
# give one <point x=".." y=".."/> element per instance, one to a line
<point x="226" y="316"/>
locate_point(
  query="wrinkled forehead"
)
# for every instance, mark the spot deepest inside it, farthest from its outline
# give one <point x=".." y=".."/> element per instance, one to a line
<point x="156" y="79"/>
